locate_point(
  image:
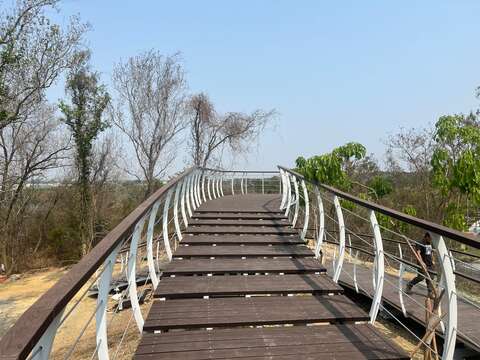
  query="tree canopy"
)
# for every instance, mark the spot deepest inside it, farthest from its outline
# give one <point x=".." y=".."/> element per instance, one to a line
<point x="332" y="168"/>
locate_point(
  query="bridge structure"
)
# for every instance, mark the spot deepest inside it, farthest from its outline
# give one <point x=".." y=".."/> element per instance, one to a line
<point x="259" y="265"/>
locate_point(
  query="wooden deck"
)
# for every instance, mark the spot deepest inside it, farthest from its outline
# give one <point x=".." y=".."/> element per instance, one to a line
<point x="241" y="239"/>
<point x="237" y="285"/>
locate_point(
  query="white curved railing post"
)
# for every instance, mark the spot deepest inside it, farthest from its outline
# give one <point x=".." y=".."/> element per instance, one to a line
<point x="194" y="190"/>
<point x="182" y="202"/>
<point x="204" y="176"/>
<point x="218" y="185"/>
<point x="321" y="227"/>
<point x="175" y="212"/>
<point x="42" y="350"/>
<point x="208" y="188"/>
<point x="307" y="210"/>
<point x="341" y="232"/>
<point x="102" y="302"/>
<point x="401" y="271"/>
<point x="166" y="241"/>
<point x="379" y="268"/>
<point x="214" y="186"/>
<point x="221" y="185"/>
<point x="241" y="186"/>
<point x="199" y="187"/>
<point x="150" y="229"/>
<point x="196" y="197"/>
<point x="191" y="186"/>
<point x="132" y="280"/>
<point x="233" y="179"/>
<point x="448" y="275"/>
<point x="289" y="193"/>
<point x="283" y="189"/>
<point x="297" y="200"/>
<point x="187" y="195"/>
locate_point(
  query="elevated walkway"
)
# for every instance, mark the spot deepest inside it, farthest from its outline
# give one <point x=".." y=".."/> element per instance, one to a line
<point x="221" y="259"/>
<point x="245" y="285"/>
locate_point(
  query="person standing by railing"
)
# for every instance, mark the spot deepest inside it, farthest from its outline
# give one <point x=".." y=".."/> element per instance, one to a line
<point x="424" y="253"/>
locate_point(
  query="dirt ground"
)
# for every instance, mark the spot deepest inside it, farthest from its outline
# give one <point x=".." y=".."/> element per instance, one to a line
<point x="16" y="296"/>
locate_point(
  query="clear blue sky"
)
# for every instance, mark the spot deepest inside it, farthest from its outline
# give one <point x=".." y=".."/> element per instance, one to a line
<point x="336" y="71"/>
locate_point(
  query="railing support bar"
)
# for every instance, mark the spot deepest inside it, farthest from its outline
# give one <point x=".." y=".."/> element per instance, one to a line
<point x="175" y="212"/>
<point x="102" y="301"/>
<point x="401" y="271"/>
<point x="321" y="219"/>
<point x="132" y="281"/>
<point x="182" y="202"/>
<point x="42" y="350"/>
<point x="379" y="267"/>
<point x="283" y="189"/>
<point x="150" y="229"/>
<point x="307" y="210"/>
<point x="448" y="276"/>
<point x="341" y="231"/>
<point x="166" y="240"/>
<point x="289" y="193"/>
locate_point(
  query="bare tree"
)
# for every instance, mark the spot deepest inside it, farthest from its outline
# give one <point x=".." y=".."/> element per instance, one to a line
<point x="29" y="150"/>
<point x="150" y="110"/>
<point x="211" y="133"/>
<point x="410" y="152"/>
<point x="34" y="52"/>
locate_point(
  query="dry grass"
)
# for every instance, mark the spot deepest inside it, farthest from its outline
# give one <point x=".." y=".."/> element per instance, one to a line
<point x="17" y="296"/>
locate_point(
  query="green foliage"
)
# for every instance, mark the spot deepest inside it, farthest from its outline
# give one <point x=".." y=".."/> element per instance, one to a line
<point x="381" y="185"/>
<point x="456" y="159"/>
<point x="455" y="217"/>
<point x="331" y="168"/>
<point x="349" y="205"/>
<point x="84" y="117"/>
<point x="402" y="226"/>
<point x="384" y="221"/>
<point x="410" y="210"/>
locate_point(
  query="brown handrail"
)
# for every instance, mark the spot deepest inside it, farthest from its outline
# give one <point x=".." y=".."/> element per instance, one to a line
<point x="424" y="224"/>
<point x="243" y="172"/>
<point x="19" y="341"/>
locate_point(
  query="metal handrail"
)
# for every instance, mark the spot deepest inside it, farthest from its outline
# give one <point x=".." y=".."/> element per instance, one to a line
<point x="425" y="224"/>
<point x="290" y="181"/>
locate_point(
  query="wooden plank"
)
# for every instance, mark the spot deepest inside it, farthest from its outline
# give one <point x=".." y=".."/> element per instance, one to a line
<point x="207" y="229"/>
<point x="241" y="239"/>
<point x="251" y="266"/>
<point x="238" y="251"/>
<point x="182" y="287"/>
<point x="246" y="216"/>
<point x="242" y="311"/>
<point x="248" y="203"/>
<point x="239" y="222"/>
<point x="350" y="342"/>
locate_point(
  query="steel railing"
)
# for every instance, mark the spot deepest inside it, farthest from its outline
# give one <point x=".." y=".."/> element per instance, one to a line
<point x="337" y="218"/>
<point x="150" y="232"/>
